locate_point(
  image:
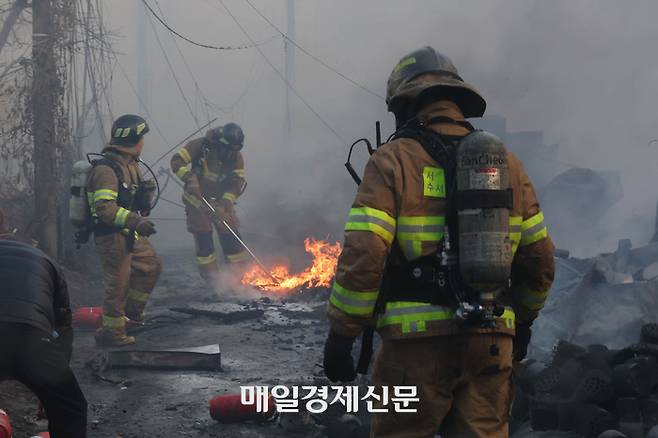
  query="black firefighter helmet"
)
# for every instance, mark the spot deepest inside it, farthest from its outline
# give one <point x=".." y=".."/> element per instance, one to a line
<point x="427" y="74"/>
<point x="229" y="135"/>
<point x="128" y="130"/>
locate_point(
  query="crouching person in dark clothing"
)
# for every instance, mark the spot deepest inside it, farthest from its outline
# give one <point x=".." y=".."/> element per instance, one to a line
<point x="36" y="338"/>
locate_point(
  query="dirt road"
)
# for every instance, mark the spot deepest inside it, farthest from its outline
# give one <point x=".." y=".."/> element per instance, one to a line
<point x="281" y="347"/>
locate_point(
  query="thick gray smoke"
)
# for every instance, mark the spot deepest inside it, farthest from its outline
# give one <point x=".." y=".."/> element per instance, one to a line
<point x="582" y="72"/>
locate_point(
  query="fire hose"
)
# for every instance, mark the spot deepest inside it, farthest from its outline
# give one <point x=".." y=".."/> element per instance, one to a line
<point x="235" y="235"/>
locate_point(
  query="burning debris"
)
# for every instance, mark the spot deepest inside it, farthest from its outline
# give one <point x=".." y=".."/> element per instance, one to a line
<point x="319" y="274"/>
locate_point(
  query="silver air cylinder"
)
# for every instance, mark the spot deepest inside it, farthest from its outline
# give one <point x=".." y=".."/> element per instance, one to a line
<point x="483" y="201"/>
<point x="78" y="207"/>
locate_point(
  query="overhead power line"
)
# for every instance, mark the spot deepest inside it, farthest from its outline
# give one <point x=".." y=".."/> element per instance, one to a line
<point x="173" y="73"/>
<point x="312" y="56"/>
<point x="281" y="75"/>
<point x="207" y="46"/>
<point x="134" y="90"/>
<point x="200" y="94"/>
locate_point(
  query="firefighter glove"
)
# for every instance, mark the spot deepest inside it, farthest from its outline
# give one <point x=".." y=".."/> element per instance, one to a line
<point x="224" y="211"/>
<point x="522" y="339"/>
<point x="145" y="228"/>
<point x="192" y="186"/>
<point x="338" y="362"/>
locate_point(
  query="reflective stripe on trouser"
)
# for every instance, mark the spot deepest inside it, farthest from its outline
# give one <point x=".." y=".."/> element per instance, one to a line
<point x="233" y="251"/>
<point x="136" y="303"/>
<point x="462" y="389"/>
<point x="206" y="258"/>
<point x="355" y="303"/>
<point x="413" y="317"/>
<point x="413" y="231"/>
<point x="124" y="271"/>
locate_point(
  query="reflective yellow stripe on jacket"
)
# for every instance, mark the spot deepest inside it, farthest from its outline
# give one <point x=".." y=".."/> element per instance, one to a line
<point x="121" y="217"/>
<point x="192" y="200"/>
<point x="531" y="299"/>
<point x="356" y="303"/>
<point x="185" y="155"/>
<point x="413" y="317"/>
<point x="515" y="232"/>
<point x="412" y="231"/>
<point x="182" y="171"/>
<point x="104" y="195"/>
<point x="373" y="220"/>
<point x="533" y="229"/>
<point x="210" y="175"/>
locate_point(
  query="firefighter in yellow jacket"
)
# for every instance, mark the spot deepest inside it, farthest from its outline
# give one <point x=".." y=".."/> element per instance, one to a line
<point x="119" y="199"/>
<point x="213" y="167"/>
<point x="394" y="271"/>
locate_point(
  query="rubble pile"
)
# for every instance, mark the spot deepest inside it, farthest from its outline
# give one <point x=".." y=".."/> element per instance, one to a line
<point x="601" y="300"/>
<point x="592" y="390"/>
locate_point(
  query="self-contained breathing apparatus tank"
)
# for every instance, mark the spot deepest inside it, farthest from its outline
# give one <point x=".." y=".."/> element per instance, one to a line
<point x="483" y="199"/>
<point x="146" y="195"/>
<point x="79" y="213"/>
<point x="483" y="202"/>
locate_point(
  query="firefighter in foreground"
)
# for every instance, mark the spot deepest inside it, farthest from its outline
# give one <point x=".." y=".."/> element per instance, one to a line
<point x="119" y="199"/>
<point x="447" y="253"/>
<point x="212" y="167"/>
<point x="37" y="337"/>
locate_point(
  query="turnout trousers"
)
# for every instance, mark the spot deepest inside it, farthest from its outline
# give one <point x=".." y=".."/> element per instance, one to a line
<point x="31" y="356"/>
<point x="201" y="227"/>
<point x="129" y="279"/>
<point x="464" y="386"/>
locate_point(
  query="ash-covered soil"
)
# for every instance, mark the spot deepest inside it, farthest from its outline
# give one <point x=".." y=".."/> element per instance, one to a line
<point x="283" y="346"/>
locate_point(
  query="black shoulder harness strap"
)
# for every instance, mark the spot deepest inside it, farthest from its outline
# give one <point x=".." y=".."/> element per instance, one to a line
<point x="112" y="164"/>
<point x="125" y="194"/>
<point x="399" y="282"/>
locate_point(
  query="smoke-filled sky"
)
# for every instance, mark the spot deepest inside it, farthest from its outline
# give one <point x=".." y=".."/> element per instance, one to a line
<point x="584" y="72"/>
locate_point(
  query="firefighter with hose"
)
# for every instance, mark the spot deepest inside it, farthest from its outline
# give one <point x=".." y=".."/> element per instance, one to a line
<point x="446" y="253"/>
<point x="212" y="169"/>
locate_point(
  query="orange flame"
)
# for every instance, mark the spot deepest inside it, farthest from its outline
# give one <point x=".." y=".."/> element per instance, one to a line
<point x="319" y="274"/>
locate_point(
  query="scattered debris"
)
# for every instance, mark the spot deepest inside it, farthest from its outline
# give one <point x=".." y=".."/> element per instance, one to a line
<point x="592" y="390"/>
<point x="207" y="357"/>
<point x="580" y="306"/>
<point x="225" y="317"/>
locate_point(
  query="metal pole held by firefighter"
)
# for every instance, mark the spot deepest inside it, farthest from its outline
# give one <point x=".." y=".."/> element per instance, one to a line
<point x="162" y="171"/>
<point x="244" y="245"/>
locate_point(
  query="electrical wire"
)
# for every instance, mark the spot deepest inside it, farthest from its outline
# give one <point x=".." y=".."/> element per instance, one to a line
<point x="312" y="56"/>
<point x="134" y="90"/>
<point x="207" y="46"/>
<point x="173" y="73"/>
<point x="283" y="78"/>
<point x="172" y="202"/>
<point x="200" y="94"/>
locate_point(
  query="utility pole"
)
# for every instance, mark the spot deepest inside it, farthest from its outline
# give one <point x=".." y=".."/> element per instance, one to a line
<point x="43" y="102"/>
<point x="290" y="63"/>
<point x="142" y="58"/>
